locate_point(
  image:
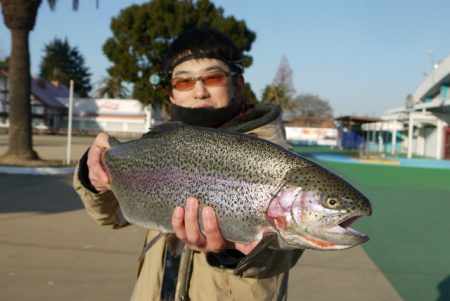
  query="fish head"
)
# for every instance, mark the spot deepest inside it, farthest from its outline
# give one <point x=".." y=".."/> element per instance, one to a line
<point x="314" y="210"/>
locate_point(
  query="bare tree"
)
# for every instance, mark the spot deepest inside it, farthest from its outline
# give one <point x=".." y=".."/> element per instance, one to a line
<point x="310" y="105"/>
<point x="284" y="76"/>
<point x="282" y="90"/>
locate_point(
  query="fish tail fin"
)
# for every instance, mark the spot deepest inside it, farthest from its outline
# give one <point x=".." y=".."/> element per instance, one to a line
<point x="149" y="245"/>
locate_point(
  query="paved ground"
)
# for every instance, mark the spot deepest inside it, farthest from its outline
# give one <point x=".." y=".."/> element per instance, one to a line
<point x="52" y="147"/>
<point x="51" y="250"/>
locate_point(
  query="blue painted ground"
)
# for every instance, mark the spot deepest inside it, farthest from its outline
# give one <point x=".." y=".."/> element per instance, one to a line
<point x="413" y="162"/>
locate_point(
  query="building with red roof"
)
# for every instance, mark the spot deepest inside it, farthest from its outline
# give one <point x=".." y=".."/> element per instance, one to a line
<point x="47" y="111"/>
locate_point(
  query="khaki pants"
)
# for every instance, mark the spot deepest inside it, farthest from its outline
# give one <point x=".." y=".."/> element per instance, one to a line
<point x="207" y="283"/>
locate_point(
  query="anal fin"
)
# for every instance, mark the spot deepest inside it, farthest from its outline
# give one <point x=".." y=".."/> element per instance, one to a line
<point x="174" y="245"/>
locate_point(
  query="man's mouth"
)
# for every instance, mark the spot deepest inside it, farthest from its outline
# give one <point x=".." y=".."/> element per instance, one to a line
<point x="203" y="106"/>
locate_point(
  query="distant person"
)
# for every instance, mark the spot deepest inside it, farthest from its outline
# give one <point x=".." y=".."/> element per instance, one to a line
<point x="204" y="78"/>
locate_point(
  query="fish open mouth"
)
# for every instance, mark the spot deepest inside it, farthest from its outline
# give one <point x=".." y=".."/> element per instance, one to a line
<point x="335" y="236"/>
<point x="345" y="225"/>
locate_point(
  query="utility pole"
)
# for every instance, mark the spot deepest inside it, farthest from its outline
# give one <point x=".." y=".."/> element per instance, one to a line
<point x="69" y="125"/>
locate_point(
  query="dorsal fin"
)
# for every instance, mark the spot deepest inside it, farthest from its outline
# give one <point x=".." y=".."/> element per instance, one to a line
<point x="113" y="141"/>
<point x="164" y="128"/>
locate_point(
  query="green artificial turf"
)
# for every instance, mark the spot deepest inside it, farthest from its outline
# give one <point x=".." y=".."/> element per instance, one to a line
<point x="410" y="226"/>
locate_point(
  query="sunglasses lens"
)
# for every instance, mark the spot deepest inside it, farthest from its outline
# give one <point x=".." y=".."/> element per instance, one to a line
<point x="214" y="79"/>
<point x="183" y="84"/>
<point x="210" y="79"/>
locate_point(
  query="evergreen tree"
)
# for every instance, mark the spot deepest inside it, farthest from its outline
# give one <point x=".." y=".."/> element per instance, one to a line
<point x="63" y="63"/>
<point x="4" y="64"/>
<point x="248" y="95"/>
<point x="143" y="33"/>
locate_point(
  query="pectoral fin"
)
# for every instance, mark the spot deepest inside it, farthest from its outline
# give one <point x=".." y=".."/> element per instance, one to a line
<point x="149" y="245"/>
<point x="263" y="244"/>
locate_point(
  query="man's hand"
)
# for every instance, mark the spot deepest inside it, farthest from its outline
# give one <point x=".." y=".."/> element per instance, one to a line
<point x="187" y="229"/>
<point x="97" y="173"/>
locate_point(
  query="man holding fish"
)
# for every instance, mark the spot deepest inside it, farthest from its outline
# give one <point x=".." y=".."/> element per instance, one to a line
<point x="203" y="76"/>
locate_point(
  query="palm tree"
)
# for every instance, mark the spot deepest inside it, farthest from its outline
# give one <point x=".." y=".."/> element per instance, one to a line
<point x="111" y="87"/>
<point x="278" y="94"/>
<point x="20" y="17"/>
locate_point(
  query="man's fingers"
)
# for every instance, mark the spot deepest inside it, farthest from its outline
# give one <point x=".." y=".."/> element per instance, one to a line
<point x="178" y="223"/>
<point x="212" y="231"/>
<point x="97" y="174"/>
<point x="100" y="185"/>
<point x="186" y="227"/>
<point x="102" y="140"/>
<point x="103" y="176"/>
<point x="193" y="234"/>
<point x="96" y="169"/>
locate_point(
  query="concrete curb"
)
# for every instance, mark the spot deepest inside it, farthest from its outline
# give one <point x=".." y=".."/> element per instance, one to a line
<point x="16" y="170"/>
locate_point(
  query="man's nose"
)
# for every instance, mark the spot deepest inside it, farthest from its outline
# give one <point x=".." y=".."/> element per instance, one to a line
<point x="200" y="90"/>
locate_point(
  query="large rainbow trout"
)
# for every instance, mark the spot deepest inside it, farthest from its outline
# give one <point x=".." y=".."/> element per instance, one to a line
<point x="257" y="188"/>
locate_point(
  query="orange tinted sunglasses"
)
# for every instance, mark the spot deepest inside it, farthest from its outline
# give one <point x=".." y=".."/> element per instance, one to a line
<point x="211" y="79"/>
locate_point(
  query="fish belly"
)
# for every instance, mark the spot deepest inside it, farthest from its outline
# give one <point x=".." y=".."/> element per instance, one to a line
<point x="148" y="198"/>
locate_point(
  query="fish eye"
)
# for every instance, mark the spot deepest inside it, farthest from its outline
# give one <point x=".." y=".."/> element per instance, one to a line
<point x="332" y="203"/>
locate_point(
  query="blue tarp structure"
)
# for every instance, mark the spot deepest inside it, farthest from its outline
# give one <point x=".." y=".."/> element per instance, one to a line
<point x="353" y="139"/>
<point x="350" y="131"/>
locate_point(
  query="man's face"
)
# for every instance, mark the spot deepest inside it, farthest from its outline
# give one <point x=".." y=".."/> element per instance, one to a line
<point x="201" y="95"/>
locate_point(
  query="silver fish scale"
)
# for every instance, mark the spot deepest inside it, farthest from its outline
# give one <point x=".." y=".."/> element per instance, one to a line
<point x="236" y="175"/>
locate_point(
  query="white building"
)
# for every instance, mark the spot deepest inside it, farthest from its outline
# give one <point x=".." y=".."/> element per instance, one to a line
<point x="311" y="136"/>
<point x="46" y="110"/>
<point x="127" y="116"/>
<point x="49" y="108"/>
<point x="311" y="131"/>
<point x="423" y="122"/>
